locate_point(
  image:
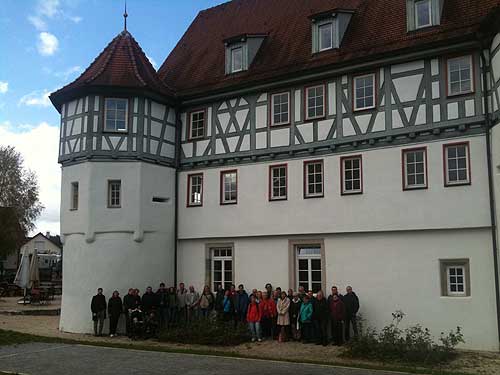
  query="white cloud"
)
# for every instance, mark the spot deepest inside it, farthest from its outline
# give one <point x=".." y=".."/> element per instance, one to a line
<point x="44" y="139"/>
<point x="4" y="87"/>
<point x="47" y="43"/>
<point x="48" y="8"/>
<point x="152" y="61"/>
<point x="36" y="98"/>
<point x="69" y="72"/>
<point x="75" y="19"/>
<point x="38" y="22"/>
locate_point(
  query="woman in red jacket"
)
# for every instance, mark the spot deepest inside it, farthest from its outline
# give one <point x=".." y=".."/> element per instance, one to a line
<point x="268" y="311"/>
<point x="253" y="318"/>
<point x="337" y="313"/>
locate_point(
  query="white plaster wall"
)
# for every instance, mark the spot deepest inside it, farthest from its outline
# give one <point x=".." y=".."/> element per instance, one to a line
<point x="382" y="206"/>
<point x="388" y="271"/>
<point x="132" y="246"/>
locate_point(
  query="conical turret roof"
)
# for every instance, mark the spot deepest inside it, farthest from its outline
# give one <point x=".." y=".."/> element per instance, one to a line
<point x="121" y="65"/>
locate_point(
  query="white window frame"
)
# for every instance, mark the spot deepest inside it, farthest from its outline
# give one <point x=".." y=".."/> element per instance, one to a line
<point x="115" y="130"/>
<point x="429" y="7"/>
<point x="273" y="96"/>
<point x="308" y="258"/>
<point x="323" y="103"/>
<point x="307" y="182"/>
<point x="191" y="202"/>
<point x="406" y="184"/>
<point x="471" y="75"/>
<point x="344" y="179"/>
<point x="221" y="254"/>
<point x="191" y="122"/>
<point x="332" y="34"/>
<point x="112" y="200"/>
<point x="232" y="52"/>
<point x="272" y="168"/>
<point x="449" y="283"/>
<point x="355" y="94"/>
<point x="467" y="164"/>
<point x="223" y="199"/>
<point x="74" y="196"/>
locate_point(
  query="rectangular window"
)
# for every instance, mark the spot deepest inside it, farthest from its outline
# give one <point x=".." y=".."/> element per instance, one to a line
<point x="114" y="193"/>
<point x="115" y="114"/>
<point x="236" y="59"/>
<point x="40" y="246"/>
<point x="313" y="179"/>
<point x="460" y="75"/>
<point x="456" y="164"/>
<point x="278" y="181"/>
<point x="455" y="277"/>
<point x="352" y="178"/>
<point x="309" y="270"/>
<point x="222" y="267"/>
<point x="364" y="92"/>
<point x="197" y="124"/>
<point x="415" y="168"/>
<point x="195" y="190"/>
<point x="423" y="13"/>
<point x="229" y="187"/>
<point x="280" y="109"/>
<point x="325" y="36"/>
<point x="315" y="102"/>
<point x="74" y="196"/>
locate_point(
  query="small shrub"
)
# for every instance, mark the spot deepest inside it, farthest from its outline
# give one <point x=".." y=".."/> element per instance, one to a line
<point x="412" y="345"/>
<point x="207" y="332"/>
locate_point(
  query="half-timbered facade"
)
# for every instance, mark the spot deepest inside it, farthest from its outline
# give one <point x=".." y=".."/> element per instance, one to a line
<point x="302" y="143"/>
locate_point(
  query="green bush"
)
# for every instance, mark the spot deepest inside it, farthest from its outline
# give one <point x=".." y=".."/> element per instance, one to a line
<point x="207" y="332"/>
<point x="412" y="345"/>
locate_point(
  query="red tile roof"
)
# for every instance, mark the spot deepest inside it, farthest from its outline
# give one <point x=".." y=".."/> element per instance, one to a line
<point x="378" y="27"/>
<point x="122" y="64"/>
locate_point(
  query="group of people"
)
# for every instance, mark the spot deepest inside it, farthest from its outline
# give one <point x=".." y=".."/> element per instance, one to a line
<point x="270" y="313"/>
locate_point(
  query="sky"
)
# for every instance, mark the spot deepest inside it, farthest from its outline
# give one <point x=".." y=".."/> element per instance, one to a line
<point x="45" y="44"/>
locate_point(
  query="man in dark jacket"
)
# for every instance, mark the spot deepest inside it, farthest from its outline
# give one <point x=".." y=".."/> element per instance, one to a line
<point x="321" y="315"/>
<point x="162" y="299"/>
<point x="128" y="305"/>
<point x="294" y="316"/>
<point x="98" y="308"/>
<point x="115" y="309"/>
<point x="351" y="303"/>
<point x="149" y="301"/>
<point x="219" y="301"/>
<point x="241" y="304"/>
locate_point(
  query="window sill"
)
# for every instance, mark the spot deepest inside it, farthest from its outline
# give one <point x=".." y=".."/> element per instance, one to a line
<point x="351" y="193"/>
<point x="409" y="188"/>
<point x="228" y="203"/>
<point x="194" y="139"/>
<point x="456" y="297"/>
<point x="460" y="94"/>
<point x="315" y="118"/>
<point x="73" y="209"/>
<point x="465" y="183"/>
<point x="314" y="196"/>
<point x="115" y="131"/>
<point x="194" y="205"/>
<point x="367" y="109"/>
<point x="278" y="199"/>
<point x="112" y="207"/>
<point x="285" y="124"/>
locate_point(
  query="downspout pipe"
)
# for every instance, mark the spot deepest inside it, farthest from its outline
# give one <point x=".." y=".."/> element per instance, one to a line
<point x="178" y="133"/>
<point x="489" y="126"/>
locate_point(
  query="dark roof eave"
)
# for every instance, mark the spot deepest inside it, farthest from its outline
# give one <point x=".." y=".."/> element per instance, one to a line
<point x="58" y="98"/>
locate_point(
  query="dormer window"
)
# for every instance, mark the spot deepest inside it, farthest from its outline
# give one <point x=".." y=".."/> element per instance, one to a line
<point x="328" y="29"/>
<point x="325" y="33"/>
<point x="423" y="13"/>
<point x="241" y="50"/>
<point x="236" y="59"/>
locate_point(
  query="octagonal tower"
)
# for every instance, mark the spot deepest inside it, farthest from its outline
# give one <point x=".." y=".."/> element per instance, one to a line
<point x="118" y="155"/>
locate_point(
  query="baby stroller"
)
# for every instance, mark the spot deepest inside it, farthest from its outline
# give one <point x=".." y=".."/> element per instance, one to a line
<point x="151" y="325"/>
<point x="136" y="324"/>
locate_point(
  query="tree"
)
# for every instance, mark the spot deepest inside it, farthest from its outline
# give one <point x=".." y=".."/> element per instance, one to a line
<point x="18" y="189"/>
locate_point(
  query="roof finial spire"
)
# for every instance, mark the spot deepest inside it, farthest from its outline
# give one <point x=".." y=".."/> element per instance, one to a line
<point x="125" y="15"/>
